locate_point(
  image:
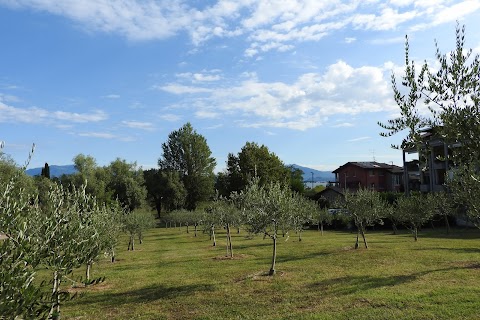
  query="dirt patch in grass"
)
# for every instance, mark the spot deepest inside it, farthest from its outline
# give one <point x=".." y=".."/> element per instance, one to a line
<point x="235" y="257"/>
<point x="262" y="276"/>
<point x="95" y="288"/>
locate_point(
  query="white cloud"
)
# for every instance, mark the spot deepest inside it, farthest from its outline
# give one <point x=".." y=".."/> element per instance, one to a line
<point x="305" y="103"/>
<point x="8" y="98"/>
<point x="264" y="24"/>
<point x="103" y="135"/>
<point x="181" y="89"/>
<point x="139" y="125"/>
<point x="170" y="117"/>
<point x="80" y="117"/>
<point x="39" y="115"/>
<point x="112" y="96"/>
<point x="350" y="39"/>
<point x="343" y="125"/>
<point x="199" y="77"/>
<point x="359" y="139"/>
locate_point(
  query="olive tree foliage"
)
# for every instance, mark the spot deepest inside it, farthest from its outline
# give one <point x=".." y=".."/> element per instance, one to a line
<point x="135" y="223"/>
<point x="322" y="217"/>
<point x="59" y="233"/>
<point x="465" y="187"/>
<point x="20" y="297"/>
<point x="415" y="210"/>
<point x="364" y="208"/>
<point x="266" y="209"/>
<point x="451" y="94"/>
<point x="64" y="225"/>
<point x="187" y="153"/>
<point x="302" y="214"/>
<point x="223" y="212"/>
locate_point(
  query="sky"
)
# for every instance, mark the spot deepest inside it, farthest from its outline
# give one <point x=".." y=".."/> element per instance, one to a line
<point x="309" y="79"/>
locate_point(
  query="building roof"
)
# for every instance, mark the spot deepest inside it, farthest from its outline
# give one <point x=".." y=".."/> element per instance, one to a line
<point x="372" y="165"/>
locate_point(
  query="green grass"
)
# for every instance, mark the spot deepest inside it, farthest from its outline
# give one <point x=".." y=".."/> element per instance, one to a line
<point x="174" y="275"/>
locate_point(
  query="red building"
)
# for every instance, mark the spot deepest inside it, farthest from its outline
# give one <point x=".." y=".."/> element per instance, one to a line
<point x="374" y="175"/>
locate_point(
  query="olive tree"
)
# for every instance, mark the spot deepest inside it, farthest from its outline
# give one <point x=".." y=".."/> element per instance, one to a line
<point x="265" y="208"/>
<point x="322" y="216"/>
<point x="223" y="212"/>
<point x="135" y="223"/>
<point x="365" y="208"/>
<point x="465" y="187"/>
<point x="20" y="296"/>
<point x="415" y="210"/>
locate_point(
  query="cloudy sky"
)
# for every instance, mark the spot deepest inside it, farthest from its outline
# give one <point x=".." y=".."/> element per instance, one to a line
<point x="309" y="79"/>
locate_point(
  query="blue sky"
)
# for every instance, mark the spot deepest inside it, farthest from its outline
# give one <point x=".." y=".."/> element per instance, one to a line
<point x="309" y="79"/>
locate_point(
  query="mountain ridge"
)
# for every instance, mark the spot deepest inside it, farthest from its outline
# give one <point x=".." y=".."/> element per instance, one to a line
<point x="56" y="171"/>
<point x="318" y="175"/>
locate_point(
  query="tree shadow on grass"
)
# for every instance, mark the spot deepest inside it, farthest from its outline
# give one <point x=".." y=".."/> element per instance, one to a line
<point x="351" y="284"/>
<point x="281" y="258"/>
<point x="144" y="295"/>
<point x="459" y="250"/>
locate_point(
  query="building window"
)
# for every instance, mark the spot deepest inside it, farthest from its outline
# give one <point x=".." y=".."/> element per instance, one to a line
<point x="396" y="180"/>
<point x="371" y="172"/>
<point x="354" y="173"/>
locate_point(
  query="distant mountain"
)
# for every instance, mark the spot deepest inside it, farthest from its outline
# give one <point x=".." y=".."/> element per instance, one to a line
<point x="55" y="171"/>
<point x="317" y="175"/>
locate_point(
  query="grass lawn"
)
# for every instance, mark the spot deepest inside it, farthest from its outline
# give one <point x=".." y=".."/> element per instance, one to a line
<point x="174" y="275"/>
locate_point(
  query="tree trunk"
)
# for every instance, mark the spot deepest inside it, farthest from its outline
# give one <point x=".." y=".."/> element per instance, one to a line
<point x="196" y="224"/>
<point x="213" y="236"/>
<point x="299" y="235"/>
<point x="159" y="210"/>
<point x="140" y="237"/>
<point x="356" y="242"/>
<point x="131" y="242"/>
<point x="87" y="272"/>
<point x="55" y="308"/>
<point x="321" y="228"/>
<point x="274" y="255"/>
<point x="394" y="227"/>
<point x="187" y="229"/>
<point x="238" y="230"/>
<point x="447" y="224"/>
<point x="415" y="233"/>
<point x="113" y="255"/>
<point x="229" y="242"/>
<point x="364" y="239"/>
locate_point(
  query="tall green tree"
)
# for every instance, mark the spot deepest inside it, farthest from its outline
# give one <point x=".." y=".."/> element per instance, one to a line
<point x="91" y="176"/>
<point x="255" y="161"/>
<point x="45" y="171"/>
<point x="165" y="190"/>
<point x="126" y="183"/>
<point x="187" y="153"/>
